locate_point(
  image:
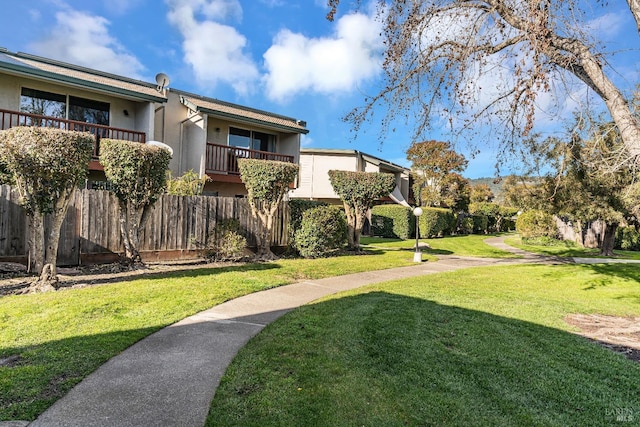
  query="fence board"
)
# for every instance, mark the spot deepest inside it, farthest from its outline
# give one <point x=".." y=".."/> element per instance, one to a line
<point x="178" y="224"/>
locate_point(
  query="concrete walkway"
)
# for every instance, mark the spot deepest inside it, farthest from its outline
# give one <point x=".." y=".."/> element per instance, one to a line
<point x="169" y="378"/>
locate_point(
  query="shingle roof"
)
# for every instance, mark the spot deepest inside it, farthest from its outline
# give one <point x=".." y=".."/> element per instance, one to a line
<point x="219" y="108"/>
<point x="25" y="64"/>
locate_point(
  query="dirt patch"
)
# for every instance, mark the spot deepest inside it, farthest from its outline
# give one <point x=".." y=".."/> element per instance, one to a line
<point x="620" y="334"/>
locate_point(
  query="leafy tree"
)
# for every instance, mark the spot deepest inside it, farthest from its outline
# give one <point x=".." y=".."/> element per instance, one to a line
<point x="432" y="163"/>
<point x="583" y="192"/>
<point x="455" y="192"/>
<point x="45" y="165"/>
<point x="189" y="184"/>
<point x="267" y="182"/>
<point x="525" y="193"/>
<point x="489" y="61"/>
<point x="359" y="191"/>
<point x="481" y="193"/>
<point x="137" y="173"/>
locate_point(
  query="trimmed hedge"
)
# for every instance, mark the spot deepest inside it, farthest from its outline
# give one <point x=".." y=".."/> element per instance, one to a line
<point x="323" y="230"/>
<point x="535" y="223"/>
<point x="392" y="221"/>
<point x="436" y="222"/>
<point x="297" y="207"/>
<point x="480" y="224"/>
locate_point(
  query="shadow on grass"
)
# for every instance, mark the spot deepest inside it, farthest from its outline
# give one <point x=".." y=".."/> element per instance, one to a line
<point x="388" y="359"/>
<point x="33" y="378"/>
<point x="624" y="271"/>
<point x="149" y="274"/>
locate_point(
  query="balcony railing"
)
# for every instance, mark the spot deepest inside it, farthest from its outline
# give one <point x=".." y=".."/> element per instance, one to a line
<point x="9" y="119"/>
<point x="224" y="158"/>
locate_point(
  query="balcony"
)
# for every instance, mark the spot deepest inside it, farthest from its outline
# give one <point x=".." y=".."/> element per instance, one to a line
<point x="222" y="160"/>
<point x="9" y="119"/>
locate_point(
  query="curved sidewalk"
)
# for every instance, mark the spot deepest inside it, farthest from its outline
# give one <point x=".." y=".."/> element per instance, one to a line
<point x="169" y="378"/>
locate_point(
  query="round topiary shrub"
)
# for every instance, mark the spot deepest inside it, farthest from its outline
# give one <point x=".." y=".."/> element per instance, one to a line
<point x="322" y="231"/>
<point x="535" y="224"/>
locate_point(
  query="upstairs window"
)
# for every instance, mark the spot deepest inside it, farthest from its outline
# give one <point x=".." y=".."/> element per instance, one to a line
<point x="43" y="103"/>
<point x="86" y="110"/>
<point x="253" y="140"/>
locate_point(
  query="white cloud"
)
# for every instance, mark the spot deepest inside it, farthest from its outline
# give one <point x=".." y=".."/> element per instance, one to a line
<point x="212" y="60"/>
<point x="296" y="63"/>
<point x="608" y="25"/>
<point x="83" y="39"/>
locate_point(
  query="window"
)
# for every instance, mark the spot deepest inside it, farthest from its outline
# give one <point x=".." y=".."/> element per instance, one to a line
<point x="43" y="103"/>
<point x="239" y="138"/>
<point x="55" y="105"/>
<point x="86" y="110"/>
<point x="254" y="140"/>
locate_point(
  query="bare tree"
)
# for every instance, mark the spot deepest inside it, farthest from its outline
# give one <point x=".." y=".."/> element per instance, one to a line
<point x="478" y="61"/>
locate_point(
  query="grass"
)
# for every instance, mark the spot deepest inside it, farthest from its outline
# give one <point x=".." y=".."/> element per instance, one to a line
<point x="476" y="347"/>
<point x="471" y="245"/>
<point x="59" y="338"/>
<point x="568" y="249"/>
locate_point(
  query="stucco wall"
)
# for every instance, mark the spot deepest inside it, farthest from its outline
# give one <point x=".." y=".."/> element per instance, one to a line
<point x="10" y="88"/>
<point x="314" y="175"/>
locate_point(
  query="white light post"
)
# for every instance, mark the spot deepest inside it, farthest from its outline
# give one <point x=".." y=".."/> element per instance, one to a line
<point x="417" y="255"/>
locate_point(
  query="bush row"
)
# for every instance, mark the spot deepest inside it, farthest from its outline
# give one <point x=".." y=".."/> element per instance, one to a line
<point x="396" y="221"/>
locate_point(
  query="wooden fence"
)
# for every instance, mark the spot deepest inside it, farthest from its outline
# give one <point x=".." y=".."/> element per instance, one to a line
<point x="90" y="233"/>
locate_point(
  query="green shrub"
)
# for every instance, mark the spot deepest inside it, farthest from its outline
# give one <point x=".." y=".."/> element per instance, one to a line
<point x="535" y="223"/>
<point x="628" y="239"/>
<point x="322" y="231"/>
<point x="465" y="225"/>
<point x="393" y="221"/>
<point x="297" y="207"/>
<point x="548" y="241"/>
<point x="189" y="184"/>
<point x="225" y="242"/>
<point x="436" y="222"/>
<point x="508" y="215"/>
<point x="480" y="223"/>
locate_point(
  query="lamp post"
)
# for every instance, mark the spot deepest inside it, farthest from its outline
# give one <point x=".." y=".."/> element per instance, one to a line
<point x="417" y="255"/>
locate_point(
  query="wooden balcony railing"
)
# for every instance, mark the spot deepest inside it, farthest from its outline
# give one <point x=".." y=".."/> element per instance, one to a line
<point x="10" y="119"/>
<point x="224" y="158"/>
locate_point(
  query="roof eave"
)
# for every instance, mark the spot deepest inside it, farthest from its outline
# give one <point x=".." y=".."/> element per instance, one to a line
<point x="245" y="119"/>
<point x="28" y="71"/>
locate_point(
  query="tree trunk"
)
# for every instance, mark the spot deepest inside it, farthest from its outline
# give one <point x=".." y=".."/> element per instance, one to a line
<point x="36" y="243"/>
<point x="264" y="251"/>
<point x="129" y="231"/>
<point x="609" y="240"/>
<point x="357" y="232"/>
<point x="351" y="227"/>
<point x="589" y="69"/>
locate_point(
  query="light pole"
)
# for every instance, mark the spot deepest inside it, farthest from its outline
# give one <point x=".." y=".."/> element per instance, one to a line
<point x="417" y="255"/>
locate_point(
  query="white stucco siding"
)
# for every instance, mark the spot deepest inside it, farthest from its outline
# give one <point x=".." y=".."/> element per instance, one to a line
<point x="11" y="87"/>
<point x="9" y="92"/>
<point x="314" y="175"/>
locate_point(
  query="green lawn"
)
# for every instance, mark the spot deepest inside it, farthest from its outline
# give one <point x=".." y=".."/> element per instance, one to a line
<point x="61" y="337"/>
<point x="567" y="249"/>
<point x="471" y="245"/>
<point x="476" y="347"/>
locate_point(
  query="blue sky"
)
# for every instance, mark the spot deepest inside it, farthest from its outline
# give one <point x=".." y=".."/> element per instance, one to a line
<point x="282" y="56"/>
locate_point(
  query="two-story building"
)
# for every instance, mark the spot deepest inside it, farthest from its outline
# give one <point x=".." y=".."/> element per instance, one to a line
<point x="315" y="164"/>
<point x="205" y="134"/>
